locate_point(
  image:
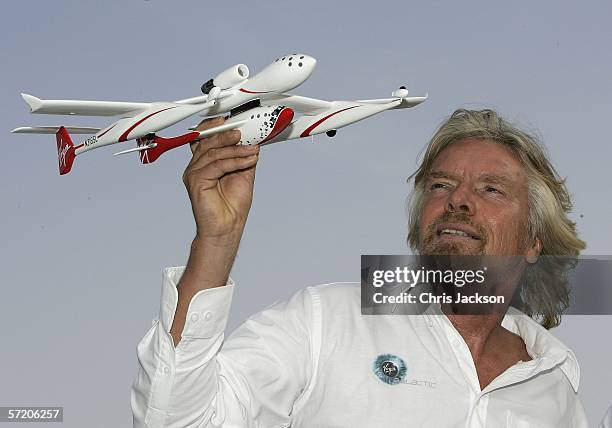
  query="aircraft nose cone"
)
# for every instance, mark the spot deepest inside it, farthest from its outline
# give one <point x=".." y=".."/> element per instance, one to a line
<point x="308" y="63"/>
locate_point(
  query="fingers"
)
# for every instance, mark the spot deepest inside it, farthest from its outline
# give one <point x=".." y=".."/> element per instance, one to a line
<point x="206" y="124"/>
<point x="205" y="157"/>
<point x="220" y="167"/>
<point x="225" y="166"/>
<point x="222" y="139"/>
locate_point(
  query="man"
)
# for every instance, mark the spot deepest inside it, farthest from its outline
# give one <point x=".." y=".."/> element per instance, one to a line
<point x="484" y="187"/>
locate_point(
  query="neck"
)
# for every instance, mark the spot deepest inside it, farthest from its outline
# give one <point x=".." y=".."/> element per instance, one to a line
<point x="478" y="331"/>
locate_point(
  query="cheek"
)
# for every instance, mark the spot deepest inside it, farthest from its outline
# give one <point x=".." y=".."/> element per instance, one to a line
<point x="506" y="232"/>
<point x="432" y="208"/>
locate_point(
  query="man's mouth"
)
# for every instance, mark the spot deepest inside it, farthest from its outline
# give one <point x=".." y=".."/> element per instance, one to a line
<point x="456" y="231"/>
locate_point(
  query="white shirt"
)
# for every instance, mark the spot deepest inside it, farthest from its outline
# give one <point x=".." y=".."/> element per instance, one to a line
<point x="606" y="422"/>
<point x="311" y="361"/>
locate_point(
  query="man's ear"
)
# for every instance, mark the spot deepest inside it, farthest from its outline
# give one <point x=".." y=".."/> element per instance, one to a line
<point x="534" y="251"/>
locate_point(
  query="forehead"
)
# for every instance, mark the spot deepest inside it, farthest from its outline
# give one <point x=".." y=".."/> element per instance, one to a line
<point x="475" y="157"/>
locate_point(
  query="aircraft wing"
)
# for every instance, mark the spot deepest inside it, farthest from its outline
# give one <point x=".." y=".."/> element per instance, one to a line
<point x="341" y="114"/>
<point x="155" y="117"/>
<point x="304" y="105"/>
<point x="84" y="108"/>
<point x="54" y="129"/>
<point x="313" y="106"/>
<point x="407" y="102"/>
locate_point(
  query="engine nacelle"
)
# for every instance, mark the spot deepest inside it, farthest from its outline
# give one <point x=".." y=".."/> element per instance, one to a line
<point x="232" y="76"/>
<point x="263" y="123"/>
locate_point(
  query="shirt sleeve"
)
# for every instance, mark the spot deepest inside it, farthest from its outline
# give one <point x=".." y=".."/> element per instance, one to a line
<point x="252" y="379"/>
<point x="606" y="422"/>
<point x="579" y="417"/>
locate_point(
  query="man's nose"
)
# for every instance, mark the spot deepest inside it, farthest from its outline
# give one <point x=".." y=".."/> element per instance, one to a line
<point x="459" y="200"/>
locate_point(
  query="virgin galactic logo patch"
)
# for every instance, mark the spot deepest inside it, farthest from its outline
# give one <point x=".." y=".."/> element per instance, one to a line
<point x="389" y="368"/>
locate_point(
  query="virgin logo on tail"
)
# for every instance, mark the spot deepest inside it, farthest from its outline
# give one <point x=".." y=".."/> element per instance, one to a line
<point x="65" y="151"/>
<point x="65" y="147"/>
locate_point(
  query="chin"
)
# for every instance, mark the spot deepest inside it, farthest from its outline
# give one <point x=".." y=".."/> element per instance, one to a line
<point x="451" y="249"/>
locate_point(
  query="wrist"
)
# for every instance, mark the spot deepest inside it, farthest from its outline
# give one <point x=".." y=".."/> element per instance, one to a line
<point x="210" y="261"/>
<point x="227" y="240"/>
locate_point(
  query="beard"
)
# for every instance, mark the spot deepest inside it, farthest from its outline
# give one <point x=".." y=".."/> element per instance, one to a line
<point x="431" y="244"/>
<point x="503" y="272"/>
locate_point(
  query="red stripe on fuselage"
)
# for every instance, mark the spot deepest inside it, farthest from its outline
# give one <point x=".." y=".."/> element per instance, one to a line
<point x="308" y="130"/>
<point x="252" y="92"/>
<point x="131" y="128"/>
<point x="284" y="119"/>
<point x="107" y="130"/>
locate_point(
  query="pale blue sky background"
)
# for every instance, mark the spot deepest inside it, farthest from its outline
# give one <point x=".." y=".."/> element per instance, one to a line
<point x="82" y="254"/>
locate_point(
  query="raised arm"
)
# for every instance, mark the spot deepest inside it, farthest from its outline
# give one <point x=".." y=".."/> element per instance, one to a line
<point x="219" y="181"/>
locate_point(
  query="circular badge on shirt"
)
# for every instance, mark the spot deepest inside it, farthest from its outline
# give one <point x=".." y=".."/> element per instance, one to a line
<point x="389" y="368"/>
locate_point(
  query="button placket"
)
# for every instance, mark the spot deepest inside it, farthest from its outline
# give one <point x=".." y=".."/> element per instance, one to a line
<point x="464" y="357"/>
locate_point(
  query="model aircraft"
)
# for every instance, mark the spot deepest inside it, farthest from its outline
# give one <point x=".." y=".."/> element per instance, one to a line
<point x="259" y="106"/>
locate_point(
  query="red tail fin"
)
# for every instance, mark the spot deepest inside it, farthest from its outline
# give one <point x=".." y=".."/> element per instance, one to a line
<point x="65" y="151"/>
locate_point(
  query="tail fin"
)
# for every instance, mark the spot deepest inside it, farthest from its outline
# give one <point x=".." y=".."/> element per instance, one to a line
<point x="65" y="151"/>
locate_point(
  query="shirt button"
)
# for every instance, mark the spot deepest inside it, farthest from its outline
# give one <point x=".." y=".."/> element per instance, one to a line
<point x="208" y="316"/>
<point x="195" y="317"/>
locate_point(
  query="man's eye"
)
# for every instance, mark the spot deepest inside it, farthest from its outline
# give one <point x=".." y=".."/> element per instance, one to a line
<point x="437" y="186"/>
<point x="492" y="189"/>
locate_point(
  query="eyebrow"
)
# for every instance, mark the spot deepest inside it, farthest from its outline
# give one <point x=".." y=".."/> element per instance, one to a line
<point x="489" y="178"/>
<point x="442" y="174"/>
<point x="497" y="179"/>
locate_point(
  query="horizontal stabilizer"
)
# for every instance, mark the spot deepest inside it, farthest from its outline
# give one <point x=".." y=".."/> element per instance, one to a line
<point x="54" y="129"/>
<point x="136" y="149"/>
<point x="82" y="107"/>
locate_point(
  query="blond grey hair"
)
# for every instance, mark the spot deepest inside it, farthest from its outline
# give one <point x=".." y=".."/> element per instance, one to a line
<point x="549" y="206"/>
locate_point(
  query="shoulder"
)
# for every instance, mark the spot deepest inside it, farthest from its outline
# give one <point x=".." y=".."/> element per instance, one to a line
<point x="313" y="303"/>
<point x="309" y="302"/>
<point x="343" y="290"/>
<point x="336" y="295"/>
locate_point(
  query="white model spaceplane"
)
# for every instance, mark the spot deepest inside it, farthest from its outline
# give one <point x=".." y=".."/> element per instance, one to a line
<point x="259" y="106"/>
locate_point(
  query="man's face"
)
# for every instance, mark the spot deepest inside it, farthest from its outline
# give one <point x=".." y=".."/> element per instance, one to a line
<point x="476" y="202"/>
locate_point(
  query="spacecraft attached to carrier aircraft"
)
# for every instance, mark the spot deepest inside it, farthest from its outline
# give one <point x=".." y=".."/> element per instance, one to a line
<point x="259" y="106"/>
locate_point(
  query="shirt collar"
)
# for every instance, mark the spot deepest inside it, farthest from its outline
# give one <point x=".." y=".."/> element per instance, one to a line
<point x="541" y="343"/>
